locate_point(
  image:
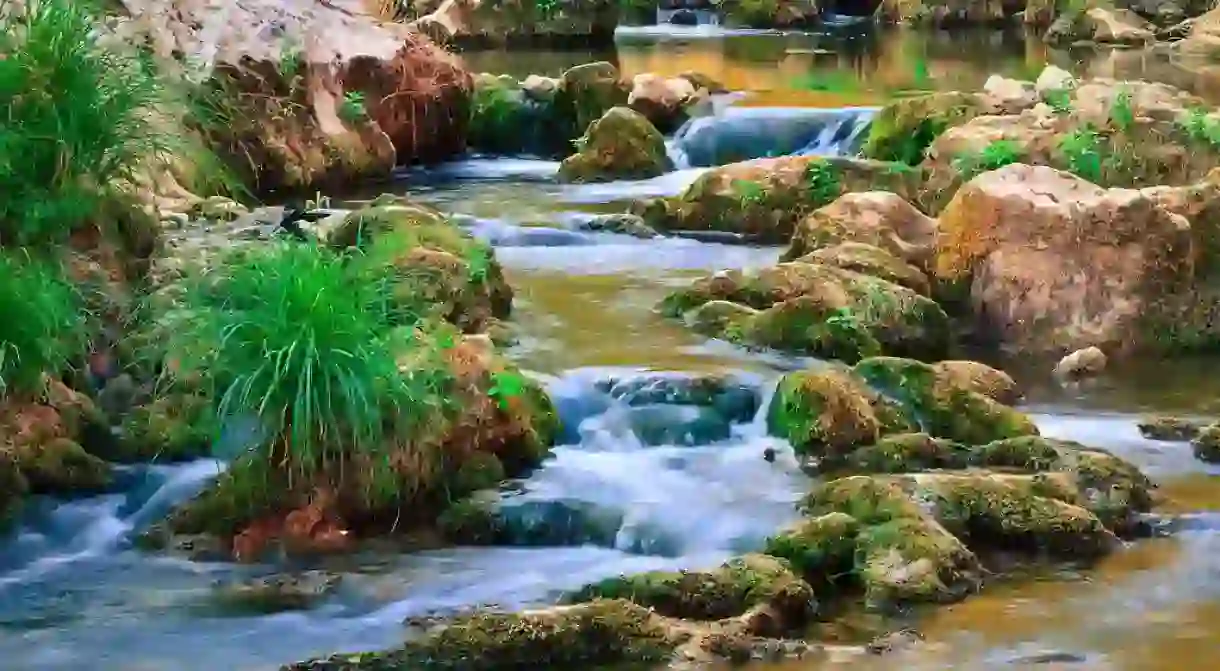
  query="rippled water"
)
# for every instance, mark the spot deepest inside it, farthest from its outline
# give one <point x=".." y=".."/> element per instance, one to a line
<point x="638" y="486"/>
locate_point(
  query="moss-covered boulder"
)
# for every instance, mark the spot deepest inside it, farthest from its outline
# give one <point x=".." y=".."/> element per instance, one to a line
<point x="903" y="129"/>
<point x="437" y="268"/>
<point x="499" y="424"/>
<point x="765" y="198"/>
<point x="769" y="13"/>
<point x="1167" y="427"/>
<point x="588" y="635"/>
<point x="62" y="467"/>
<point x="878" y="218"/>
<point x="586" y="92"/>
<point x="500" y="24"/>
<point x="873" y="261"/>
<point x="622" y="144"/>
<point x="975" y="376"/>
<point x="817" y="308"/>
<point x="729" y="591"/>
<point x="938" y="403"/>
<point x="1206" y="445"/>
<point x="823" y="412"/>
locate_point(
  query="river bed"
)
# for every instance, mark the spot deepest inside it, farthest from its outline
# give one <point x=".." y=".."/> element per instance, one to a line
<point x="75" y="596"/>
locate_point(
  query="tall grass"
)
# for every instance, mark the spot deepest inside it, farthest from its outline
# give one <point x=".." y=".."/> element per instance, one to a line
<point x="80" y="121"/>
<point x="299" y="338"/>
<point x="42" y="327"/>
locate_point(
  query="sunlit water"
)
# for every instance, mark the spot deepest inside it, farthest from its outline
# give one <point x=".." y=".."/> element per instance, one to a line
<point x="638" y="485"/>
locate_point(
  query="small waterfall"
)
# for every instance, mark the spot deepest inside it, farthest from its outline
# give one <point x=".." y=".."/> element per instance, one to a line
<point x="744" y="133"/>
<point x="660" y="465"/>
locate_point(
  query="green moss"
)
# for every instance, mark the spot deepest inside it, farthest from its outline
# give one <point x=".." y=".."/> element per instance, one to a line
<point x="1206" y="446"/>
<point x="1002" y="515"/>
<point x="251" y="488"/>
<point x="904" y="129"/>
<point x="622" y="144"/>
<point x="473" y="521"/>
<point x="907" y="452"/>
<point x="808" y="325"/>
<point x="725" y="592"/>
<point x="914" y="559"/>
<point x="62" y="467"/>
<point x="505" y="120"/>
<point x="1030" y="453"/>
<point x="579" y="637"/>
<point x="481" y="470"/>
<point x="824" y="412"/>
<point x="713" y="318"/>
<point x="13" y="487"/>
<point x="941" y="408"/>
<point x="172" y="428"/>
<point x="821" y="549"/>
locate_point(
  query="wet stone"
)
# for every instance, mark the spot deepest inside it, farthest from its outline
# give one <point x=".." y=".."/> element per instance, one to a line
<point x="277" y="593"/>
<point x="1168" y="428"/>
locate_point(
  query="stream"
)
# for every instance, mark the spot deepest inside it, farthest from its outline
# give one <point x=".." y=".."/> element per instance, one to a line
<point x="639" y="485"/>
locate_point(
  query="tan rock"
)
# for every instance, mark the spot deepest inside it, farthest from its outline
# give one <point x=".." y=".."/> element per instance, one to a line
<point x="1054" y="263"/>
<point x="1119" y="26"/>
<point x="1009" y="94"/>
<point x="663" y="100"/>
<point x="1081" y="363"/>
<point x="1054" y="79"/>
<point x="879" y="218"/>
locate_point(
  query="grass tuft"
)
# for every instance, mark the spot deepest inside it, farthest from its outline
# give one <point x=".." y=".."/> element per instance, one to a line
<point x="43" y="329"/>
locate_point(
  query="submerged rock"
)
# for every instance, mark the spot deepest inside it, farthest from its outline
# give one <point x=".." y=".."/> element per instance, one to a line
<point x="277" y="593"/>
<point x="622" y="223"/>
<point x="622" y="144"/>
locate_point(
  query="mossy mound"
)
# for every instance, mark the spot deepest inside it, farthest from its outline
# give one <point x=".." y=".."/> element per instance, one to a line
<point x="581" y="636"/>
<point x="622" y="144"/>
<point x="904" y="129"/>
<point x="827" y="413"/>
<point x="873" y="261"/>
<point x="40" y="446"/>
<point x="769" y="13"/>
<point x="728" y="591"/>
<point x="175" y="427"/>
<point x="814" y="308"/>
<point x="764" y="199"/>
<point x="438" y="269"/>
<point x="1165" y="427"/>
<point x="510" y="117"/>
<point x="62" y="467"/>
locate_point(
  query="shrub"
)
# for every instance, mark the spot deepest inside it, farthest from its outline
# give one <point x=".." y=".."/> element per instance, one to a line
<point x="81" y="120"/>
<point x="43" y="329"/>
<point x="299" y="338"/>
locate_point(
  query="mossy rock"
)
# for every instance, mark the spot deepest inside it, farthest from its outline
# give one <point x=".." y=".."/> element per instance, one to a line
<point x="726" y="592"/>
<point x="979" y="377"/>
<point x="903" y="129"/>
<point x="822" y="413"/>
<point x="172" y="428"/>
<point x="622" y="144"/>
<point x="62" y="467"/>
<point x="13" y="488"/>
<point x="818" y="548"/>
<point x="586" y="92"/>
<point x="506" y="119"/>
<point x="473" y="521"/>
<point x="807" y="325"/>
<point x="769" y="13"/>
<point x="249" y="489"/>
<point x="1206" y="446"/>
<point x="1165" y="427"/>
<point x="941" y="407"/>
<point x="870" y="260"/>
<point x="717" y="319"/>
<point x="906" y="453"/>
<point x="583" y="636"/>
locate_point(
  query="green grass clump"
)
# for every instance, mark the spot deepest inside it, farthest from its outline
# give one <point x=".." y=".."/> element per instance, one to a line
<point x="299" y="338"/>
<point x="80" y="121"/>
<point x="43" y="329"/>
<point x="993" y="157"/>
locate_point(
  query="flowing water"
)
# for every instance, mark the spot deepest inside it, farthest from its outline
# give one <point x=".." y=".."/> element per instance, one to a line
<point x="641" y="482"/>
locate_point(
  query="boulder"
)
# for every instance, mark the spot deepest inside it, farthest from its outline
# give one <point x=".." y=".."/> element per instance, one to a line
<point x="814" y="307"/>
<point x="878" y="218"/>
<point x="517" y="23"/>
<point x="1164" y="427"/>
<point x="332" y="95"/>
<point x="946" y="12"/>
<point x="276" y="593"/>
<point x="1082" y="363"/>
<point x="622" y="144"/>
<point x="664" y="100"/>
<point x="1101" y="25"/>
<point x="1054" y="263"/>
<point x="1206" y="445"/>
<point x="769" y="13"/>
<point x="904" y="128"/>
<point x="764" y="199"/>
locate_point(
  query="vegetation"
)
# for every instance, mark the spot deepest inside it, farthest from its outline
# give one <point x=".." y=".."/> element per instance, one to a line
<point x="300" y="339"/>
<point x="993" y="157"/>
<point x="44" y="328"/>
<point x="824" y="181"/>
<point x="81" y="121"/>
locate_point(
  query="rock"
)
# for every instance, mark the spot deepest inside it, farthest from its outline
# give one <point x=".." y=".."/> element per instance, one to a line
<point x="332" y="95"/>
<point x="1164" y="427"/>
<point x="979" y="377"/>
<point x="823" y="413"/>
<point x="171" y="428"/>
<point x="663" y="100"/>
<point x="587" y="92"/>
<point x="1204" y="36"/>
<point x="879" y="218"/>
<point x="1206" y="445"/>
<point x="625" y="224"/>
<point x="1085" y="362"/>
<point x="620" y="145"/>
<point x="945" y="13"/>
<point x="765" y="198"/>
<point x="511" y="117"/>
<point x="277" y="593"/>
<point x="1176" y="32"/>
<point x="729" y="591"/>
<point x="873" y="261"/>
<point x="1030" y="243"/>
<point x="13" y="487"/>
<point x="895" y="641"/>
<point x="904" y="128"/>
<point x="435" y="263"/>
<point x="1010" y="93"/>
<point x="719" y="318"/>
<point x="1053" y="79"/>
<point x="217" y="208"/>
<point x="519" y="23"/>
<point x="817" y="309"/>
<point x="1119" y="26"/>
<point x="727" y="395"/>
<point x="769" y="13"/>
<point x="61" y="467"/>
